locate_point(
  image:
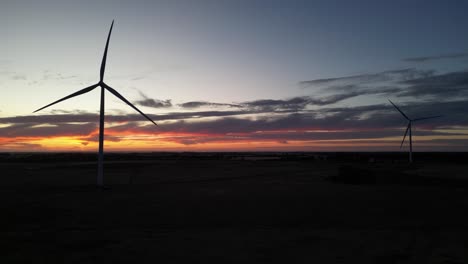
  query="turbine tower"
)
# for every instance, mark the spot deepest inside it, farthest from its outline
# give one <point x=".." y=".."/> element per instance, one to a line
<point x="408" y="128"/>
<point x="104" y="86"/>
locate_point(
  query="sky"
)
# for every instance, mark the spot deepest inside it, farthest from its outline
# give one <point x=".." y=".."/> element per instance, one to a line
<point x="235" y="75"/>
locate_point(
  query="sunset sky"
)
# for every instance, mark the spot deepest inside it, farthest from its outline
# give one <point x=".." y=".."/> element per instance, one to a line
<point x="235" y="75"/>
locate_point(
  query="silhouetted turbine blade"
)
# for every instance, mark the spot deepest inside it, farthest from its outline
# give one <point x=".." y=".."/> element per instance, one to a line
<point x="399" y="110"/>
<point x="104" y="58"/>
<point x="114" y="92"/>
<point x="403" y="141"/>
<point x="423" y="118"/>
<point x="82" y="91"/>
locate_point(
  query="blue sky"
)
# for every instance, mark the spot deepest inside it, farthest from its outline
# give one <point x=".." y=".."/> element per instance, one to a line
<point x="229" y="52"/>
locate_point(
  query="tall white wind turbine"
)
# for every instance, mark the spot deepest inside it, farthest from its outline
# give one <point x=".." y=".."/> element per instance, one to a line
<point x="408" y="128"/>
<point x="104" y="86"/>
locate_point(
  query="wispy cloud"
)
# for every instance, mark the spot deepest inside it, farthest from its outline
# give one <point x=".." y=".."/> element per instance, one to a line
<point x="150" y="102"/>
<point x="293" y="104"/>
<point x="362" y="118"/>
<point x="385" y="76"/>
<point x="410" y="83"/>
<point x="35" y="130"/>
<point x="437" y="57"/>
<point x="443" y="86"/>
<point x="68" y="112"/>
<point x="198" y="104"/>
<point x="18" y="77"/>
<point x="279" y="105"/>
<point x="49" y="75"/>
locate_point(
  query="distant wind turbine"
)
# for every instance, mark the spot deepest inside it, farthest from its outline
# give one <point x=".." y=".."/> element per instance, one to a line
<point x="100" y="177"/>
<point x="408" y="128"/>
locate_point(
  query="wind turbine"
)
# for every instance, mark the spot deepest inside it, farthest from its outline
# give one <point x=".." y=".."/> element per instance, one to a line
<point x="104" y="86"/>
<point x="408" y="128"/>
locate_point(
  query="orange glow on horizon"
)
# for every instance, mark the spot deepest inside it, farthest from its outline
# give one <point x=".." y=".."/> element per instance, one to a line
<point x="135" y="139"/>
<point x="171" y="141"/>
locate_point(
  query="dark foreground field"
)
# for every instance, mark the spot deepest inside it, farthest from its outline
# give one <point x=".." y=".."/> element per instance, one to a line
<point x="234" y="208"/>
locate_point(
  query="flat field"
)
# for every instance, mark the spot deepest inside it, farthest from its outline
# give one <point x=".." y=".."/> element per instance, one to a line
<point x="234" y="208"/>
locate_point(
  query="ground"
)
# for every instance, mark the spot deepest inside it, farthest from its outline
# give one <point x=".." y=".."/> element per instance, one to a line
<point x="233" y="208"/>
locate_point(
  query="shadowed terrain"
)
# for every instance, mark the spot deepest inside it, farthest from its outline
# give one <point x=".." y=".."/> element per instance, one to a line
<point x="234" y="207"/>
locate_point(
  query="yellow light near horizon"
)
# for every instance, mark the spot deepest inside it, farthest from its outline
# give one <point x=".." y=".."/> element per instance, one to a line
<point x="80" y="144"/>
<point x="134" y="141"/>
<point x="64" y="143"/>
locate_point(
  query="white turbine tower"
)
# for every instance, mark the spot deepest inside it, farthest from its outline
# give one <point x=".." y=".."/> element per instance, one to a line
<point x="408" y="128"/>
<point x="104" y="86"/>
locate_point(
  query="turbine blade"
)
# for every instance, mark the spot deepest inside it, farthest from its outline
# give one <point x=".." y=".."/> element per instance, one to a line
<point x="404" y="137"/>
<point x="114" y="92"/>
<point x="399" y="110"/>
<point x="82" y="91"/>
<point x="424" y="118"/>
<point x="104" y="58"/>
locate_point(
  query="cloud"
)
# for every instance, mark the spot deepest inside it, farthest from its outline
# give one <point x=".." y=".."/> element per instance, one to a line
<point x="438" y="57"/>
<point x="410" y="83"/>
<point x="300" y="103"/>
<point x="376" y="115"/>
<point x="385" y="76"/>
<point x="368" y="124"/>
<point x="13" y="145"/>
<point x="283" y="121"/>
<point x="295" y="103"/>
<point x="274" y="105"/>
<point x="271" y="105"/>
<point x="48" y="75"/>
<point x="443" y="86"/>
<point x="386" y="83"/>
<point x="198" y="104"/>
<point x="18" y="77"/>
<point x="43" y="130"/>
<point x="61" y="77"/>
<point x="69" y="112"/>
<point x="154" y="103"/>
<point x="395" y="83"/>
<point x="89" y="117"/>
<point x="294" y="127"/>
